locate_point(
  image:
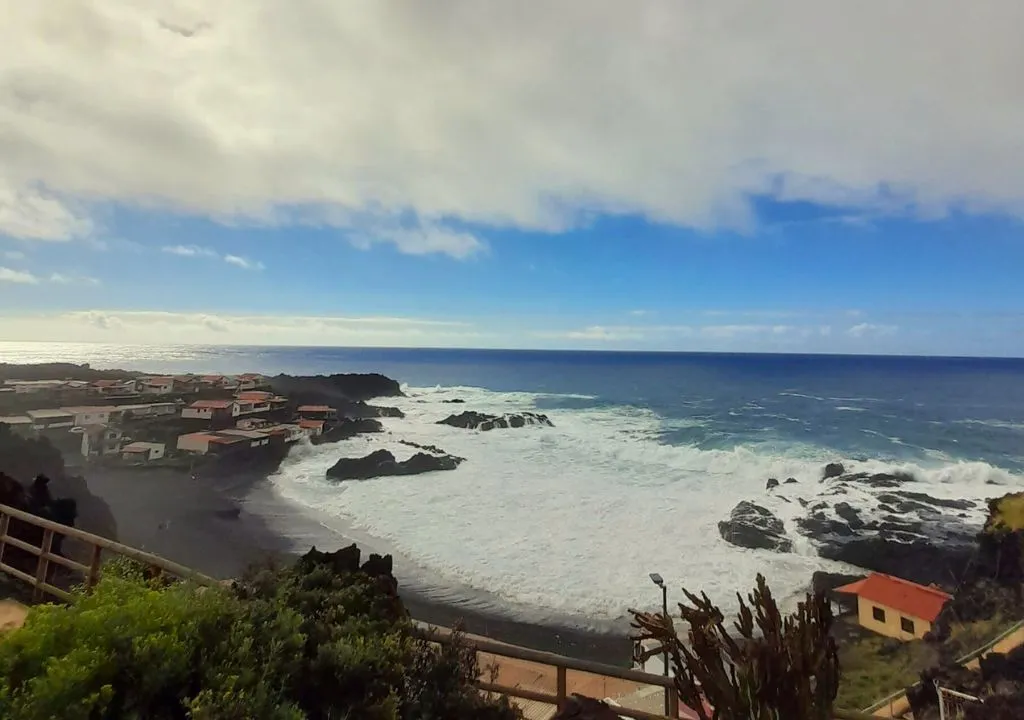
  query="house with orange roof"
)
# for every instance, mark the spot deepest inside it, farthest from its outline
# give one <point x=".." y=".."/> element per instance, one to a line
<point x="211" y="410"/>
<point x="895" y="607"/>
<point x="317" y="412"/>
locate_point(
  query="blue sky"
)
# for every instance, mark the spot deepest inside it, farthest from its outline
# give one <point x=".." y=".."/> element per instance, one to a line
<point x="520" y="202"/>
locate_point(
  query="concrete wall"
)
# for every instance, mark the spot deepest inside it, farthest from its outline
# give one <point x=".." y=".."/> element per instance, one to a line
<point x="891" y="626"/>
<point x="193" y="444"/>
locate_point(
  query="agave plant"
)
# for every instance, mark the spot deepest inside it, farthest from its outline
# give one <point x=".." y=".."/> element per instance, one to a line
<point x="771" y="668"/>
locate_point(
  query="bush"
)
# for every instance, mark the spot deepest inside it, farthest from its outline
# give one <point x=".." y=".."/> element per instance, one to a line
<point x="297" y="643"/>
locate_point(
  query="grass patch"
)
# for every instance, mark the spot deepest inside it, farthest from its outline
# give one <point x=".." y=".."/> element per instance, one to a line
<point x="873" y="667"/>
<point x="1009" y="514"/>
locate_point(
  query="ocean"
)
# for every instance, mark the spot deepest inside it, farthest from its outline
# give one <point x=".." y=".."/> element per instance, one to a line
<point x="647" y="453"/>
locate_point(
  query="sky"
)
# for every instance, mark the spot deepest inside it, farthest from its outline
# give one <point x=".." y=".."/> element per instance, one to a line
<point x="793" y="176"/>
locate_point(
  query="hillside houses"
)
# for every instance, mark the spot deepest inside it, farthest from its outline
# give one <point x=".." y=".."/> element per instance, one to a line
<point x="160" y="418"/>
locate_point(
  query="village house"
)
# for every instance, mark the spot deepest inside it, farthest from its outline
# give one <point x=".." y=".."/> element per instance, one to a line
<point x="140" y="452"/>
<point x="21" y="424"/>
<point x="317" y="412"/>
<point x="100" y="440"/>
<point x="49" y="419"/>
<point x="148" y="410"/>
<point x="257" y="438"/>
<point x="211" y="381"/>
<point x="895" y="607"/>
<point x="23" y="387"/>
<point x="211" y="410"/>
<point x="156" y="385"/>
<point x="93" y="414"/>
<point x="312" y="428"/>
<point x="202" y="443"/>
<point x="114" y="388"/>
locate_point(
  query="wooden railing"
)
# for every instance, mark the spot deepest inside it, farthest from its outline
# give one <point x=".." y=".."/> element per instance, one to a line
<point x="98" y="546"/>
<point x="95" y="545"/>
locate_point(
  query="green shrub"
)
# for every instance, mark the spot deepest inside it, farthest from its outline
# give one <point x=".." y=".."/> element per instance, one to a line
<point x="282" y="644"/>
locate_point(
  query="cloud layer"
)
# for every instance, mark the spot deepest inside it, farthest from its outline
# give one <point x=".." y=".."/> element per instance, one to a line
<point x="406" y="122"/>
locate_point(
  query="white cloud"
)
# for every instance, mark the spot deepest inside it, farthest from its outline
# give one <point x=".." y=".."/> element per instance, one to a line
<point x="154" y="327"/>
<point x="469" y="111"/>
<point x="242" y="262"/>
<point x="18" y="277"/>
<point x="189" y="251"/>
<point x="871" y="329"/>
<point x="62" y="279"/>
<point x="195" y="251"/>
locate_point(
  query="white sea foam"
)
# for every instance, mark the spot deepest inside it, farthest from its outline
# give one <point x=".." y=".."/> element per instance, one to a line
<point x="571" y="519"/>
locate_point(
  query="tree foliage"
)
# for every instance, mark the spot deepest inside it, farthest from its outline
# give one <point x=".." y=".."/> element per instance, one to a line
<point x="296" y="643"/>
<point x="772" y="668"/>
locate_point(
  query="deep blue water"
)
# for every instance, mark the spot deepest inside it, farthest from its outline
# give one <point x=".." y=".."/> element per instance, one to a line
<point x="928" y="410"/>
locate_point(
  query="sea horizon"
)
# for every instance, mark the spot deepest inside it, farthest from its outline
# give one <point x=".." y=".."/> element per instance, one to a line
<point x="659" y="447"/>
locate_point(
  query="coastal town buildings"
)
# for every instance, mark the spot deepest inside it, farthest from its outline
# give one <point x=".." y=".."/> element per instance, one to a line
<point x="895" y="607"/>
<point x="114" y="388"/>
<point x="50" y="419"/>
<point x="211" y="410"/>
<point x="100" y="440"/>
<point x="156" y="385"/>
<point x="317" y="412"/>
<point x="140" y="452"/>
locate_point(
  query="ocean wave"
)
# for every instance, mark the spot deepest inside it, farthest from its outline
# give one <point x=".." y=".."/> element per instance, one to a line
<point x="801" y="395"/>
<point x="571" y="519"/>
<point x="1001" y="424"/>
<point x="849" y="408"/>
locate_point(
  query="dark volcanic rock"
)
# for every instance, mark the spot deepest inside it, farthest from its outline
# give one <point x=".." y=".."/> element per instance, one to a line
<point x="481" y="421"/>
<point x="772" y="483"/>
<point x="790" y="481"/>
<point x="848" y="513"/>
<point x="825" y="582"/>
<point x="232" y="513"/>
<point x="346" y="429"/>
<point x="382" y="463"/>
<point x="832" y="470"/>
<point x="454" y="401"/>
<point x="820" y="527"/>
<point x="342" y="386"/>
<point x="429" y="448"/>
<point x="752" y="526"/>
<point x="921" y="562"/>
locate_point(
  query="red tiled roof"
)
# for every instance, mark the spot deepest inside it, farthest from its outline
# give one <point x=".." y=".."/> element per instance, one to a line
<point x="309" y="424"/>
<point x="901" y="595"/>
<point x="254" y="395"/>
<point x="217" y="404"/>
<point x="315" y="408"/>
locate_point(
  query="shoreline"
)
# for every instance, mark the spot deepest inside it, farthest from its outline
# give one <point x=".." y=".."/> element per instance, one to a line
<point x="169" y="514"/>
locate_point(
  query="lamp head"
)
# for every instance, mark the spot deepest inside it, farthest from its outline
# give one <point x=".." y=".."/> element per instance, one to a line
<point x="657" y="580"/>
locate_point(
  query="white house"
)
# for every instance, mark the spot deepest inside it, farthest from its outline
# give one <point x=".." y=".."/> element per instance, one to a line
<point x="257" y="438"/>
<point x="156" y="385"/>
<point x="143" y="451"/>
<point x="210" y="409"/>
<point x="100" y="440"/>
<point x="35" y="386"/>
<point x="114" y="387"/>
<point x="52" y="418"/>
<point x="148" y="409"/>
<point x="92" y="414"/>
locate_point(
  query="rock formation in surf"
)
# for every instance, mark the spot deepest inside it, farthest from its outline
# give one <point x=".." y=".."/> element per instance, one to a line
<point x="753" y="526"/>
<point x="347" y="428"/>
<point x="482" y="421"/>
<point x="382" y="463"/>
<point x="870" y="520"/>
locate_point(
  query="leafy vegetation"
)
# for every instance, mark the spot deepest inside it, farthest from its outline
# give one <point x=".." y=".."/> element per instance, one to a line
<point x="306" y="642"/>
<point x="1007" y="514"/>
<point x="773" y="667"/>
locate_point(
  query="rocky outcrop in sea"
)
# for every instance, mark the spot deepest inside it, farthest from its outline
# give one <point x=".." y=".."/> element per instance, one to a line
<point x="482" y="421"/>
<point x="381" y="463"/>
<point x="876" y="521"/>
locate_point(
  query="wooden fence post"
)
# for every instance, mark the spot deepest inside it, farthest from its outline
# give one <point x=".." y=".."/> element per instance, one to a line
<point x="94" y="567"/>
<point x="560" y="684"/>
<point x="673" y="701"/>
<point x="5" y="523"/>
<point x="42" y="565"/>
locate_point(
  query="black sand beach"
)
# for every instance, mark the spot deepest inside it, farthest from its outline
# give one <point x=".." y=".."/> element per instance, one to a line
<point x="193" y="522"/>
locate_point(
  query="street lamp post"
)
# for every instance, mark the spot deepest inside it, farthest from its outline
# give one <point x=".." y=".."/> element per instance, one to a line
<point x="660" y="582"/>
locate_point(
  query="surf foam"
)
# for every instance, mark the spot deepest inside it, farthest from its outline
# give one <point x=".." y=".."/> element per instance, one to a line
<point x="571" y="519"/>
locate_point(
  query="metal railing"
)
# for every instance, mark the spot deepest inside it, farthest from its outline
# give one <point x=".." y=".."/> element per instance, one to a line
<point x="560" y="664"/>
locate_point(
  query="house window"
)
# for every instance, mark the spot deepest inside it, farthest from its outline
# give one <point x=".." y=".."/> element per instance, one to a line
<point x="907" y="625"/>
<point x="878" y="614"/>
